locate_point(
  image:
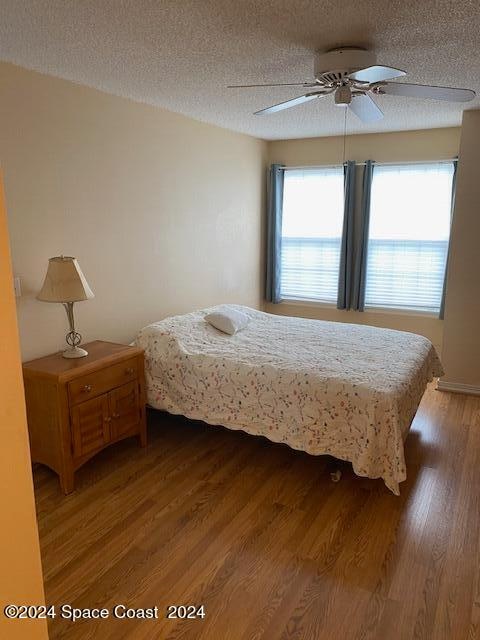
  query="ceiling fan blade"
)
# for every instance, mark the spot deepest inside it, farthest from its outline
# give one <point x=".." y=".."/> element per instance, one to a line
<point x="276" y="84"/>
<point x="365" y="108"/>
<point x="426" y="91"/>
<point x="291" y="103"/>
<point x="376" y="73"/>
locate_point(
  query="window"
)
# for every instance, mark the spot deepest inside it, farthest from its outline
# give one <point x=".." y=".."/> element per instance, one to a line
<point x="311" y="233"/>
<point x="407" y="244"/>
<point x="410" y="209"/>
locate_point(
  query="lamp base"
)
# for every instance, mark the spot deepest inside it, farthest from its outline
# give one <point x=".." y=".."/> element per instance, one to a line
<point x="75" y="352"/>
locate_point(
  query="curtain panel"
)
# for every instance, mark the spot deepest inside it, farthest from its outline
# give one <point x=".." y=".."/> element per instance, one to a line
<point x="347" y="248"/>
<point x="360" y="271"/>
<point x="274" y="232"/>
<point x="444" y="291"/>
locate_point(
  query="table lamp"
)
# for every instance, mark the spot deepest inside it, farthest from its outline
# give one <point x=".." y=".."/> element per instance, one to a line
<point x="66" y="283"/>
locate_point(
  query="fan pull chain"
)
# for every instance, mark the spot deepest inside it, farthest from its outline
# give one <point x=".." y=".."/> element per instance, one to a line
<point x="344" y="132"/>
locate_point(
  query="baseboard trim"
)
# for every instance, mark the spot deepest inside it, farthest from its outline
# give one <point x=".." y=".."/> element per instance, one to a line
<point x="458" y="387"/>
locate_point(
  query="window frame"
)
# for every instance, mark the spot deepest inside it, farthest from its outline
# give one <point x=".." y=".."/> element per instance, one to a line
<point x="298" y="299"/>
<point x="370" y="308"/>
<point x="413" y="310"/>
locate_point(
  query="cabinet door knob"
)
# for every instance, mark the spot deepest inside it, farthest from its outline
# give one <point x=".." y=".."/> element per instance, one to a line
<point x="116" y="415"/>
<point x="129" y="371"/>
<point x="108" y="419"/>
<point x="87" y="388"/>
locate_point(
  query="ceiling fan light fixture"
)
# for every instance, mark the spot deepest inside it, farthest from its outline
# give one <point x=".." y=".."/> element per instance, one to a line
<point x="353" y="76"/>
<point x="343" y="96"/>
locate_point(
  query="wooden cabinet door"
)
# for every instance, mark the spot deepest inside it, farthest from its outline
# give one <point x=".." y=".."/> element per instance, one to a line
<point x="91" y="426"/>
<point x="125" y="409"/>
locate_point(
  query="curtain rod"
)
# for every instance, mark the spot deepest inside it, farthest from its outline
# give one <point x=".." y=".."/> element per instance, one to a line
<point x="362" y="164"/>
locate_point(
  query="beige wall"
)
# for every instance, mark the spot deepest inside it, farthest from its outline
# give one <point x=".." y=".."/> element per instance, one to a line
<point x="430" y="144"/>
<point x="402" y="146"/>
<point x="461" y="355"/>
<point x="20" y="568"/>
<point x="163" y="213"/>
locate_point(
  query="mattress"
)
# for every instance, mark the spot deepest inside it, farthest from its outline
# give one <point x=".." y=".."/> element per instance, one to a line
<point x="347" y="390"/>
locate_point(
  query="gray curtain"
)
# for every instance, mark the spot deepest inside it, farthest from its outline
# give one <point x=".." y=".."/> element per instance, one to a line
<point x="444" y="291"/>
<point x="274" y="232"/>
<point x="360" y="271"/>
<point x="346" y="251"/>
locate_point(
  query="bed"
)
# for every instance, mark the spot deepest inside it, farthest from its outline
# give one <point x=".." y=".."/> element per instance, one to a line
<point x="347" y="390"/>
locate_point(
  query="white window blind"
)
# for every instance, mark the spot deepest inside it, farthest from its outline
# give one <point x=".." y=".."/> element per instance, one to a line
<point x="311" y="233"/>
<point x="410" y="210"/>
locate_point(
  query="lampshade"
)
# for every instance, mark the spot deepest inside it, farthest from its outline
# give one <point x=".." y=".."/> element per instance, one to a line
<point x="64" y="282"/>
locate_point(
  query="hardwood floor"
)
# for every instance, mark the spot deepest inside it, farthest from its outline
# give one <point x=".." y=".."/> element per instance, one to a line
<point x="260" y="535"/>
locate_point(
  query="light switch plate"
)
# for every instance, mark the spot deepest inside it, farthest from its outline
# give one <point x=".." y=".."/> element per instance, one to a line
<point x="17" y="285"/>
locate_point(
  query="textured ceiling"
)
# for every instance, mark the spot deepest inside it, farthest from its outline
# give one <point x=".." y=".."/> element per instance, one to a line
<point x="181" y="54"/>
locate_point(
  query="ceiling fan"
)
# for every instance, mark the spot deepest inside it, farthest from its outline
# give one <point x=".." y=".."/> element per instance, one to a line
<point x="352" y="75"/>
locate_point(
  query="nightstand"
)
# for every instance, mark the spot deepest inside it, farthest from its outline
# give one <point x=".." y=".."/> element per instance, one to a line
<point x="76" y="408"/>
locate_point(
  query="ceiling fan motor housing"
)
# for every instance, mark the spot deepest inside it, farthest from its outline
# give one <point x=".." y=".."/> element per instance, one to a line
<point x="333" y="66"/>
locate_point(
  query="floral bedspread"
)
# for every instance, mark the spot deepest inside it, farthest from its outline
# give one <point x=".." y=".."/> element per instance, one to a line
<point x="347" y="390"/>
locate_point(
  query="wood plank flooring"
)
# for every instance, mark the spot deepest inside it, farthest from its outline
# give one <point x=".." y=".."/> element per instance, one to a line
<point x="260" y="535"/>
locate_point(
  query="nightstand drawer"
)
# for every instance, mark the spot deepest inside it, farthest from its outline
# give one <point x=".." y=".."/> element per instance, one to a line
<point x="103" y="380"/>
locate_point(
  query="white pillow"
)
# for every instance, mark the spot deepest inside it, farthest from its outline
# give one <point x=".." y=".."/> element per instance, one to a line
<point x="229" y="321"/>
